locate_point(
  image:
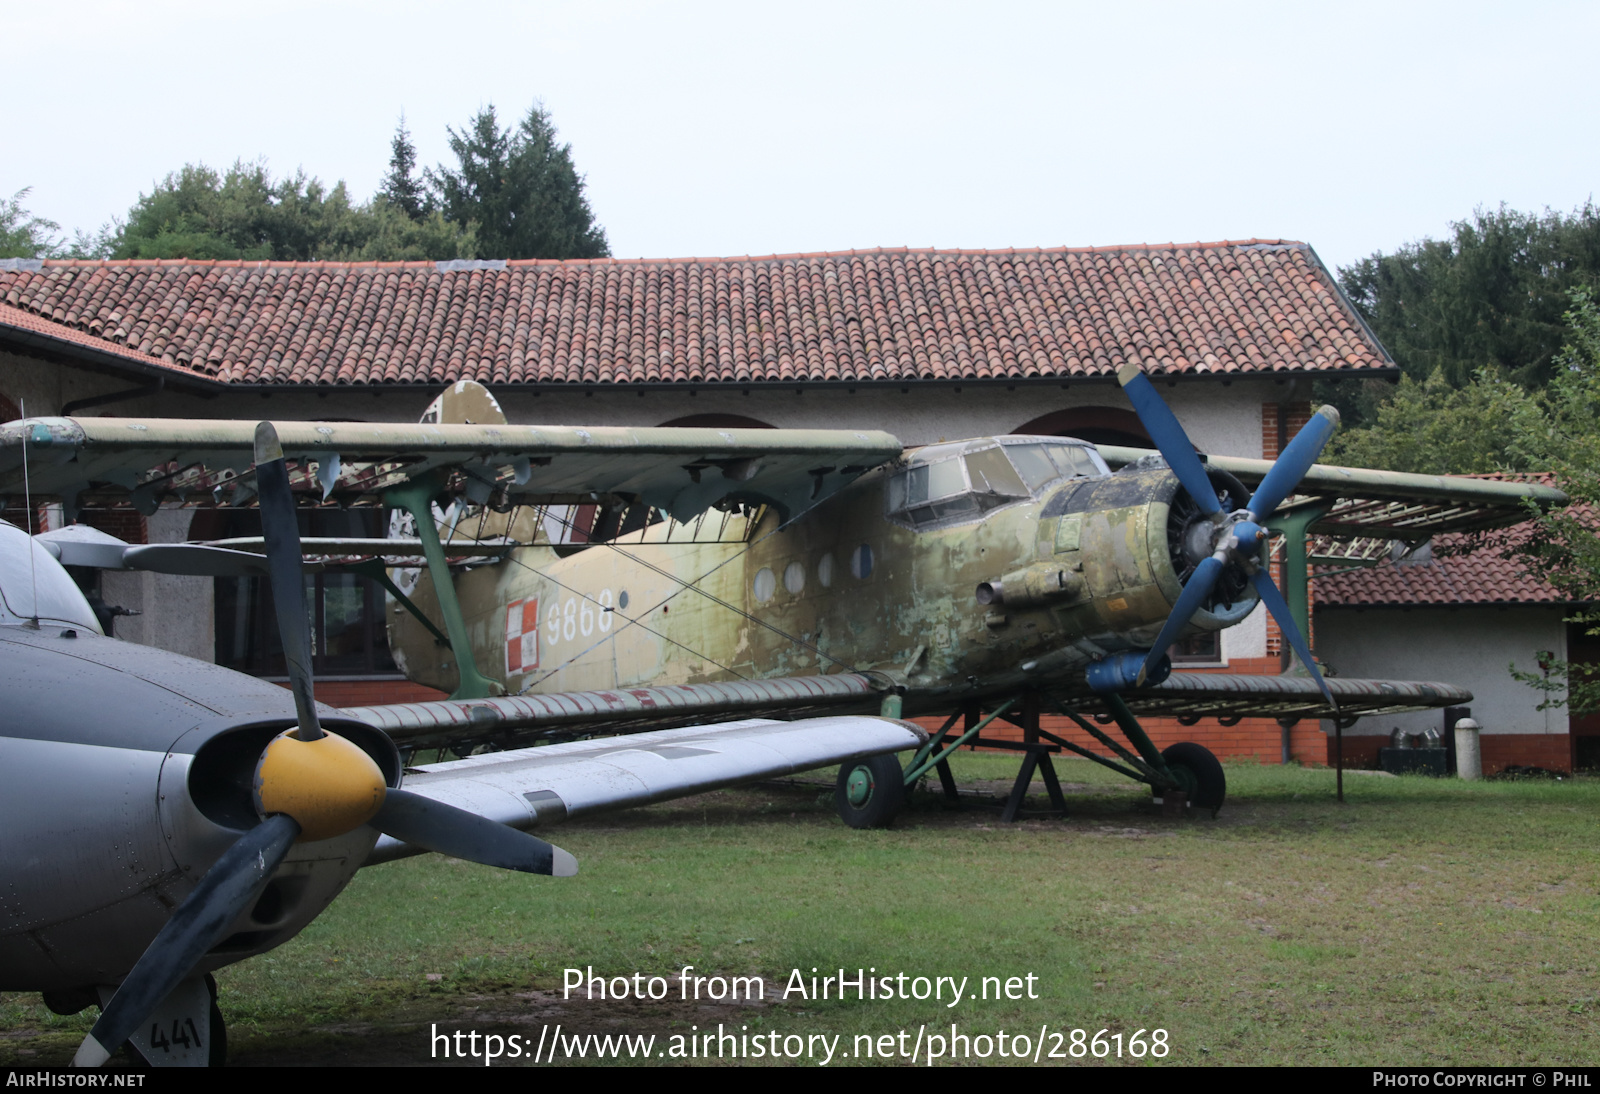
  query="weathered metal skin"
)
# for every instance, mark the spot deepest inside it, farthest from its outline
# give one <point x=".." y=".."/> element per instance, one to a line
<point x="845" y="590"/>
<point x="505" y="721"/>
<point x="101" y="736"/>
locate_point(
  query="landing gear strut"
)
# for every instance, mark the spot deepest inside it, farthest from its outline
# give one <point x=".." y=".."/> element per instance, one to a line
<point x="867" y="795"/>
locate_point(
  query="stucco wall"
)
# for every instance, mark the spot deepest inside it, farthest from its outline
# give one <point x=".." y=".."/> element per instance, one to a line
<point x="1471" y="647"/>
<point x="1220" y="418"/>
<point x="177" y="612"/>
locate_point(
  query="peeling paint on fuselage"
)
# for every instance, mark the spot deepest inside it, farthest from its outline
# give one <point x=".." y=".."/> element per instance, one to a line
<point x="841" y="588"/>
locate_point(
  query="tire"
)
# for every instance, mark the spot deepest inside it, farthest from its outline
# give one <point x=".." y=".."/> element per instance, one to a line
<point x="870" y="792"/>
<point x="1199" y="772"/>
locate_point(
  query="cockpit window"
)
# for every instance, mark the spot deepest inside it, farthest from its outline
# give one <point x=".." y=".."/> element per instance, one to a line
<point x="948" y="483"/>
<point x="38" y="586"/>
<point x="993" y="474"/>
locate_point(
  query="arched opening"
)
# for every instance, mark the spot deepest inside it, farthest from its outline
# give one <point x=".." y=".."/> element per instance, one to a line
<point x="719" y="421"/>
<point x="1095" y="424"/>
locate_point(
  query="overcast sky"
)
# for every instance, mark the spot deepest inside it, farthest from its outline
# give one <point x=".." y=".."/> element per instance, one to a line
<point x="755" y="128"/>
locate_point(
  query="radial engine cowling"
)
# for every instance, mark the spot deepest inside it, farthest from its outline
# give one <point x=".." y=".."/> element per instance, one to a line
<point x="1131" y="540"/>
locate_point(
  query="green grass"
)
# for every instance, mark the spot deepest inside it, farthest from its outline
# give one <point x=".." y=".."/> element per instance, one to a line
<point x="1421" y="922"/>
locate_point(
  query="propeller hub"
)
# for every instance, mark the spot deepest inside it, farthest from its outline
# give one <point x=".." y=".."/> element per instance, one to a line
<point x="329" y="785"/>
<point x="1248" y="536"/>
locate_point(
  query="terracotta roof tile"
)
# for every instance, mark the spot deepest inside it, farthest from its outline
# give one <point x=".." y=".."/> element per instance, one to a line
<point x="1461" y="571"/>
<point x="1481" y="577"/>
<point x="858" y="316"/>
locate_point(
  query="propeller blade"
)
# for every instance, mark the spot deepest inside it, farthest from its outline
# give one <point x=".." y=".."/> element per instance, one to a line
<point x="198" y="924"/>
<point x="1293" y="464"/>
<point x="1194" y="594"/>
<point x="1170" y="438"/>
<point x="1279" y="608"/>
<point x="460" y="834"/>
<point x="280" y="528"/>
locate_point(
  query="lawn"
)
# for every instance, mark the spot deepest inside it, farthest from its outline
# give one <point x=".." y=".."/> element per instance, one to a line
<point x="1421" y="922"/>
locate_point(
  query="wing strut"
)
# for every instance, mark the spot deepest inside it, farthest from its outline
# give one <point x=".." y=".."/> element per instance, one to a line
<point x="416" y="497"/>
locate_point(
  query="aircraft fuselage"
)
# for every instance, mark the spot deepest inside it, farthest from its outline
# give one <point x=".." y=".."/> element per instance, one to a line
<point x="1086" y="566"/>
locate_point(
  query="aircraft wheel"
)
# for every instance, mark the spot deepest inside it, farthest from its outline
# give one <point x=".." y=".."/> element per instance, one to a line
<point x="1199" y="772"/>
<point x="870" y="792"/>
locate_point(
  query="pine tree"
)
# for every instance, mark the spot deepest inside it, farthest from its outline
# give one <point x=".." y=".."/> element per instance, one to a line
<point x="399" y="188"/>
<point x="521" y="190"/>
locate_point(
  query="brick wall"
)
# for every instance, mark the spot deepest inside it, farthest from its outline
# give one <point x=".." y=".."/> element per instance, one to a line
<point x="373" y="693"/>
<point x="1552" y="751"/>
<point x="1298" y="414"/>
<point x="1258" y="739"/>
<point x="126" y="524"/>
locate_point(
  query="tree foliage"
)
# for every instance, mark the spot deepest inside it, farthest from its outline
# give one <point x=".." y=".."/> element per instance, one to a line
<point x="1493" y="295"/>
<point x="1493" y="424"/>
<point x="401" y="188"/>
<point x="512" y="194"/>
<point x="23" y="235"/>
<point x="1434" y="428"/>
<point x="1564" y="547"/>
<point x="520" y="188"/>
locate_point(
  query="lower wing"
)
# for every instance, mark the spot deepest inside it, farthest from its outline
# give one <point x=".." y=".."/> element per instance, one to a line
<point x="539" y="786"/>
<point x="1215" y="695"/>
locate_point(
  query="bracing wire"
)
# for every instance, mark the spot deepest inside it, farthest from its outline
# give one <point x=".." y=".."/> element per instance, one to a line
<point x="686" y="586"/>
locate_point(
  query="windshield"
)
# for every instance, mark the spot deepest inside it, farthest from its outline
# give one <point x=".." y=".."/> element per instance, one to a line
<point x="948" y="483"/>
<point x="39" y="587"/>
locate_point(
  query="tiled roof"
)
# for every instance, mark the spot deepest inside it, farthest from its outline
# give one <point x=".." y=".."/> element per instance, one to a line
<point x="29" y="324"/>
<point x="1479" y="577"/>
<point x="853" y="317"/>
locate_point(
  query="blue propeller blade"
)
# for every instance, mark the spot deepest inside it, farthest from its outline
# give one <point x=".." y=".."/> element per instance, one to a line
<point x="1170" y="438"/>
<point x="1279" y="608"/>
<point x="1293" y="464"/>
<point x="1201" y="582"/>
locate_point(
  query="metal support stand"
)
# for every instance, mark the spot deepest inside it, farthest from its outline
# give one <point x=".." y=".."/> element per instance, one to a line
<point x="1338" y="754"/>
<point x="1038" y="756"/>
<point x="1286" y="725"/>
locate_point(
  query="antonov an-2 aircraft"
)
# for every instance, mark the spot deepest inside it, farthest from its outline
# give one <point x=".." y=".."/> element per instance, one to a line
<point x="169" y="817"/>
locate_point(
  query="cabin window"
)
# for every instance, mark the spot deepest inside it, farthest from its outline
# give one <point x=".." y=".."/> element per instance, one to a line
<point x="764" y="585"/>
<point x="34" y="585"/>
<point x="861" y="562"/>
<point x="949" y="483"/>
<point x="825" y="570"/>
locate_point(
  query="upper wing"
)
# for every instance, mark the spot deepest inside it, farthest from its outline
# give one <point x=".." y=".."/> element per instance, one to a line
<point x="1386" y="504"/>
<point x="1219" y="695"/>
<point x="539" y="786"/>
<point x="682" y="471"/>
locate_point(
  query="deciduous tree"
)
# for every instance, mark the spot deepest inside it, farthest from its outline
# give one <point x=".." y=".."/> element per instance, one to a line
<point x="23" y="235"/>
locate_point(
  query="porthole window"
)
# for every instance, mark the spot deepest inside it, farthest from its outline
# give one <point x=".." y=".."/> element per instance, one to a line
<point x="825" y="570"/>
<point x="861" y="562"/>
<point x="622" y="599"/>
<point x="794" y="577"/>
<point x="765" y="584"/>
